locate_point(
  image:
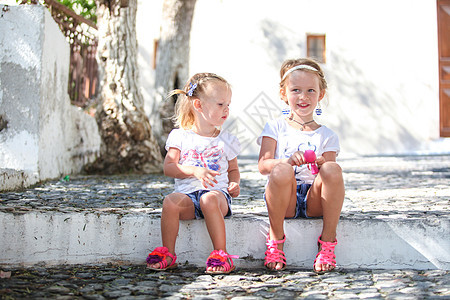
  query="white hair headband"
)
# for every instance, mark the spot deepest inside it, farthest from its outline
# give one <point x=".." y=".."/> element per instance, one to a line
<point x="299" y="67"/>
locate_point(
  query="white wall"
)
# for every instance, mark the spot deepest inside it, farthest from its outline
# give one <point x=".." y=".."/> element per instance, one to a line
<point x="148" y="22"/>
<point x="46" y="137"/>
<point x="382" y="65"/>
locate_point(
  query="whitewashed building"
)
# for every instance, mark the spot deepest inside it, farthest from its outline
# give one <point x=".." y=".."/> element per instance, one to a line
<point x="381" y="61"/>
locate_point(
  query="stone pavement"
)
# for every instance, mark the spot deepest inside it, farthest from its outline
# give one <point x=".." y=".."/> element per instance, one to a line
<point x="135" y="282"/>
<point x="400" y="187"/>
<point x="376" y="187"/>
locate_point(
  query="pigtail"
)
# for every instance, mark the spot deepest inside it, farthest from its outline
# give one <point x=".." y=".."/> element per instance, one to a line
<point x="175" y="92"/>
<point x="183" y="109"/>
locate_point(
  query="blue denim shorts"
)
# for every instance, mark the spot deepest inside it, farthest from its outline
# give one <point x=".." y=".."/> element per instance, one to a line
<point x="195" y="197"/>
<point x="300" y="208"/>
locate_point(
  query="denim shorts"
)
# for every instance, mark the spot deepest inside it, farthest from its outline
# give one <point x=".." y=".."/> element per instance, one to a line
<point x="300" y="208"/>
<point x="195" y="197"/>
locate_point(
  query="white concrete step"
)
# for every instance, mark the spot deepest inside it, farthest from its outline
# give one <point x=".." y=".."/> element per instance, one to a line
<point x="87" y="237"/>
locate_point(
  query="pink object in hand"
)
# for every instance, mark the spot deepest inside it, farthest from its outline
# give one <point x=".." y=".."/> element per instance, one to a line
<point x="310" y="158"/>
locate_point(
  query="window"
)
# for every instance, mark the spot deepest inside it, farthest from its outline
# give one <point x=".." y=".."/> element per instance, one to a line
<point x="155" y="51"/>
<point x="315" y="44"/>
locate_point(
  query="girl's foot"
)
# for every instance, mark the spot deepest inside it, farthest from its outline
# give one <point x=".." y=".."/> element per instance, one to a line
<point x="275" y="258"/>
<point x="215" y="270"/>
<point x="326" y="259"/>
<point x="157" y="266"/>
<point x="161" y="259"/>
<point x="220" y="262"/>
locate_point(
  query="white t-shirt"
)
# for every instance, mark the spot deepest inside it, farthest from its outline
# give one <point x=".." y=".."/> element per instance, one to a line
<point x="208" y="152"/>
<point x="290" y="140"/>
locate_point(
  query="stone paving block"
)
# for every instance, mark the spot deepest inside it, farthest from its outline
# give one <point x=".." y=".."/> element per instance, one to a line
<point x="189" y="282"/>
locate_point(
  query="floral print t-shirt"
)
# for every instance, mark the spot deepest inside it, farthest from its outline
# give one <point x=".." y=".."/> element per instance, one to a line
<point x="207" y="152"/>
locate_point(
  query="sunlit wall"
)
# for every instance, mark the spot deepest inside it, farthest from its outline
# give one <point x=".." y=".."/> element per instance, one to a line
<point x="381" y="65"/>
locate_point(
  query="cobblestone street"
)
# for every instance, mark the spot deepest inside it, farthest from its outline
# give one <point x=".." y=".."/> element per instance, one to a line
<point x="376" y="187"/>
<point x="135" y="282"/>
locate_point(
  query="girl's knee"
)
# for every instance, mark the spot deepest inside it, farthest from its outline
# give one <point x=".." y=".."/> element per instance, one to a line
<point x="168" y="204"/>
<point x="209" y="201"/>
<point x="331" y="171"/>
<point x="281" y="174"/>
<point x="172" y="202"/>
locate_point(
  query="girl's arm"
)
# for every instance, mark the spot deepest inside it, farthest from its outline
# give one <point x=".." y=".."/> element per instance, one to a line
<point x="172" y="168"/>
<point x="234" y="178"/>
<point x="266" y="160"/>
<point x="326" y="156"/>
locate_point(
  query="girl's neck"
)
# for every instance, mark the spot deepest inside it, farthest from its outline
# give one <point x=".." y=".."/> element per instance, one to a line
<point x="207" y="132"/>
<point x="302" y="124"/>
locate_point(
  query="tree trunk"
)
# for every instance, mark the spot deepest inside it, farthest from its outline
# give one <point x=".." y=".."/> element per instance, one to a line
<point x="172" y="64"/>
<point x="128" y="144"/>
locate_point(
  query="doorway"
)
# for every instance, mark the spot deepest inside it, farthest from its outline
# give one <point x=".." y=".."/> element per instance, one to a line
<point x="443" y="16"/>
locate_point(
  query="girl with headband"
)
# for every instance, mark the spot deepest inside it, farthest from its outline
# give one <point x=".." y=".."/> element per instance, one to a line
<point x="292" y="191"/>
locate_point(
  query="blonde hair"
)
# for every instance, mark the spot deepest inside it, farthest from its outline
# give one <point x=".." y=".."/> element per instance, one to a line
<point x="291" y="63"/>
<point x="195" y="87"/>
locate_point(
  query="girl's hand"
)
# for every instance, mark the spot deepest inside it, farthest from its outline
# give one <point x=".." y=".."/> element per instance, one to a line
<point x="320" y="161"/>
<point x="206" y="176"/>
<point x="234" y="189"/>
<point x="296" y="159"/>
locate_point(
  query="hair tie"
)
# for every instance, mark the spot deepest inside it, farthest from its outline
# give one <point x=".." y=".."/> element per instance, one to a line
<point x="192" y="87"/>
<point x="299" y="67"/>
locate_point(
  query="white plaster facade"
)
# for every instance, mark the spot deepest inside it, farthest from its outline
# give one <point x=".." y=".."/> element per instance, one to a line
<point x="382" y="65"/>
<point x="45" y="136"/>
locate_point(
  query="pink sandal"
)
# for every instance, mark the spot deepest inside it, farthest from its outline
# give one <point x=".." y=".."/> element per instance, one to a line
<point x="219" y="258"/>
<point x="326" y="255"/>
<point x="159" y="256"/>
<point x="273" y="254"/>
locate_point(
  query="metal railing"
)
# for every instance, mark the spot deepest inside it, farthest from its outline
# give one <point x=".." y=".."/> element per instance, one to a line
<point x="81" y="33"/>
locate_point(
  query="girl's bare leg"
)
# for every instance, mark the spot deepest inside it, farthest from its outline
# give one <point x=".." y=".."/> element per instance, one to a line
<point x="214" y="206"/>
<point x="325" y="198"/>
<point x="281" y="200"/>
<point x="176" y="207"/>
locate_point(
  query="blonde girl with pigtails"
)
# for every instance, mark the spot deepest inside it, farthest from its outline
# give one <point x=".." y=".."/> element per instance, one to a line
<point x="203" y="160"/>
<point x="292" y="189"/>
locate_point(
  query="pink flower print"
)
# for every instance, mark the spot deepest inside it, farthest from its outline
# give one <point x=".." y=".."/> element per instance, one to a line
<point x="208" y="158"/>
<point x="211" y="157"/>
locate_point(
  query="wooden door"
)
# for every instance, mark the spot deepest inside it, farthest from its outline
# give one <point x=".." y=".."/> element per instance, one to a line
<point x="443" y="15"/>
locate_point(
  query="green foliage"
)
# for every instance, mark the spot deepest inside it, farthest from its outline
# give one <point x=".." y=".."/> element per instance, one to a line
<point x="85" y="8"/>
